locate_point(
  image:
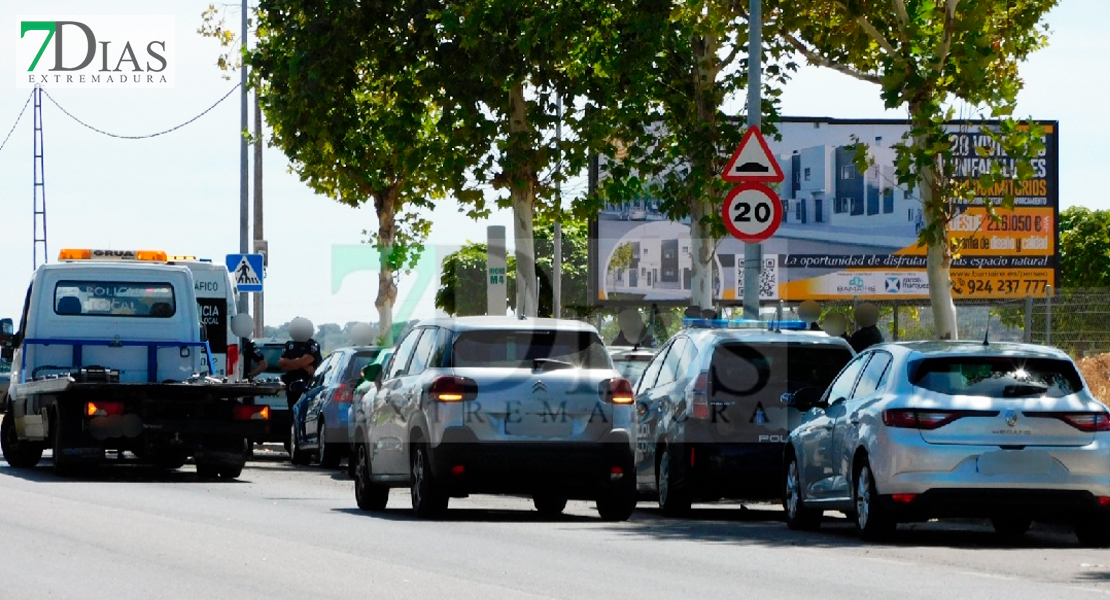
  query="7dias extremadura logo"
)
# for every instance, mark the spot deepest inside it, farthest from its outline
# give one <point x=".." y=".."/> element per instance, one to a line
<point x="95" y="51"/>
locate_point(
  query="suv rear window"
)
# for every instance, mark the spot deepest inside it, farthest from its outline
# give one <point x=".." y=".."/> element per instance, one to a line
<point x="114" y="299"/>
<point x="522" y="348"/>
<point x="996" y="376"/>
<point x="740" y="369"/>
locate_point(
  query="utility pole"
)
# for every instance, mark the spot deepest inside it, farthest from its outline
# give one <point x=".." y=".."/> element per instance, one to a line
<point x="753" y="253"/>
<point x="244" y="199"/>
<point x="39" y="185"/>
<point x="259" y="323"/>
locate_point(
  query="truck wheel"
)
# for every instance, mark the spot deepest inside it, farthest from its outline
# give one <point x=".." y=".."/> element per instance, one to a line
<point x="228" y="472"/>
<point x="207" y="470"/>
<point x="296" y="455"/>
<point x="20" y="454"/>
<point x="329" y="453"/>
<point x="170" y="461"/>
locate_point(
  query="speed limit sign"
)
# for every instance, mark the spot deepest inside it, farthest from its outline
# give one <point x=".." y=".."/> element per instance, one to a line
<point x="752" y="212"/>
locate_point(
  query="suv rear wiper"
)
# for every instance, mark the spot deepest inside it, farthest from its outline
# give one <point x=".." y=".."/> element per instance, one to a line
<point x="540" y="363"/>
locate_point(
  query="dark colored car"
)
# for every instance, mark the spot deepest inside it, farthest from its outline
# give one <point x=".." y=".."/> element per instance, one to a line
<point x="712" y="422"/>
<point x="320" y="416"/>
<point x="280" y="419"/>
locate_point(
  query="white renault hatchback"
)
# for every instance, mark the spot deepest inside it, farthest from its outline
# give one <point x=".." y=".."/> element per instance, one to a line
<point x="915" y="431"/>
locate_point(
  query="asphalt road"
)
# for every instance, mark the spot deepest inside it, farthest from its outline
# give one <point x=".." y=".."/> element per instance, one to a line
<point x="283" y="532"/>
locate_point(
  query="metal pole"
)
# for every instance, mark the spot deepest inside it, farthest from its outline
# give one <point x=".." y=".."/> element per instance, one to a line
<point x="557" y="264"/>
<point x="894" y="326"/>
<point x="753" y="253"/>
<point x="1027" y="335"/>
<point x="244" y="195"/>
<point x="1048" y="316"/>
<point x="259" y="322"/>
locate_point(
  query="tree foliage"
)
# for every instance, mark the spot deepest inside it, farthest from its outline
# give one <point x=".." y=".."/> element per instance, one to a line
<point x="502" y="65"/>
<point x="674" y="129"/>
<point x="927" y="56"/>
<point x="462" y="290"/>
<point x="1084" y="251"/>
<point x="356" y="118"/>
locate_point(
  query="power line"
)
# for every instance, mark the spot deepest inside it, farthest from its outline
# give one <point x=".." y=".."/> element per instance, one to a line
<point x="21" y="111"/>
<point x="139" y="137"/>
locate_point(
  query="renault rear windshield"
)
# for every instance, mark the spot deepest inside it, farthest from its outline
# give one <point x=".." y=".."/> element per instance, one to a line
<point x="996" y="376"/>
<point x="530" y="348"/>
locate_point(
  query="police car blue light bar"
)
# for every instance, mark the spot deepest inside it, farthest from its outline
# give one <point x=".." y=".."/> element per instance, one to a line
<point x="792" y="325"/>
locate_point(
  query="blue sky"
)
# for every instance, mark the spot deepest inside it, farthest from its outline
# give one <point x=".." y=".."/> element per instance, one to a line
<point x="180" y="192"/>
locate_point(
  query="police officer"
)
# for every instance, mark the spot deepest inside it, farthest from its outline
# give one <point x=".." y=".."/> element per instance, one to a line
<point x="867" y="333"/>
<point x="254" y="362"/>
<point x="299" y="359"/>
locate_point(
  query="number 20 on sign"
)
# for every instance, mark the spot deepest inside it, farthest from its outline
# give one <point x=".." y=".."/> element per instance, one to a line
<point x="752" y="212"/>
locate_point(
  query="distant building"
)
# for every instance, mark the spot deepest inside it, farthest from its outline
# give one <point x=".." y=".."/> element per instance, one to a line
<point x="823" y="186"/>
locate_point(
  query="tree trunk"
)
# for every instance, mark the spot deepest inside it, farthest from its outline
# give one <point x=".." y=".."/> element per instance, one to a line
<point x="938" y="259"/>
<point x="703" y="246"/>
<point x="385" y="203"/>
<point x="523" y="194"/>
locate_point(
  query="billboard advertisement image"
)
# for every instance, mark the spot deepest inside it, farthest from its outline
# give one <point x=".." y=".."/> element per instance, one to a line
<point x="846" y="234"/>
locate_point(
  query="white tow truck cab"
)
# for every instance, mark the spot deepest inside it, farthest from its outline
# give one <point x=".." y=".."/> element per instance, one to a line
<point x="111" y="354"/>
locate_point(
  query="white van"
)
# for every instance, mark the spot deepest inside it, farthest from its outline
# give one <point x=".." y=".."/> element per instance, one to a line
<point x="218" y="303"/>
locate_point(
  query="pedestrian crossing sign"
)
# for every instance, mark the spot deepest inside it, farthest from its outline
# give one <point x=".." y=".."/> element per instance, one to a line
<point x="246" y="271"/>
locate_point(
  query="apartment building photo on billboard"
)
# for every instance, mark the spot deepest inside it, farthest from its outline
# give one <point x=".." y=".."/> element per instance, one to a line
<point x="845" y="233"/>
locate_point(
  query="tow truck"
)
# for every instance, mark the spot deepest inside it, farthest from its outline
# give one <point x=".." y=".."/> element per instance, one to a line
<point x="111" y="356"/>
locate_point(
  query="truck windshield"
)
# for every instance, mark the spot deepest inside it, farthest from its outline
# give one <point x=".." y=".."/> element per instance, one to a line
<point x="115" y="299"/>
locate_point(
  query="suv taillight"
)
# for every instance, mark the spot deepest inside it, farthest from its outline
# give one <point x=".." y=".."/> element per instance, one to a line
<point x="915" y="418"/>
<point x="233" y="359"/>
<point x="1088" y="422"/>
<point x="617" y="390"/>
<point x="697" y="397"/>
<point x="451" y="388"/>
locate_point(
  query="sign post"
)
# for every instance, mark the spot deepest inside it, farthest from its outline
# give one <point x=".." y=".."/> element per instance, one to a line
<point x="752" y="212"/>
<point x="753" y="252"/>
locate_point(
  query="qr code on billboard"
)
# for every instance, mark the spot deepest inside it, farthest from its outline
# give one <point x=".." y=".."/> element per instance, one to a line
<point x="768" y="278"/>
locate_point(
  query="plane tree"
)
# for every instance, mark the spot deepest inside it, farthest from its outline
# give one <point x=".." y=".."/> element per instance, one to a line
<point x="939" y="60"/>
<point x="345" y="93"/>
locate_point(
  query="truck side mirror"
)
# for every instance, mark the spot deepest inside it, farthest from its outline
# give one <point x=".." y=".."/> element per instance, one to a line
<point x="6" y="329"/>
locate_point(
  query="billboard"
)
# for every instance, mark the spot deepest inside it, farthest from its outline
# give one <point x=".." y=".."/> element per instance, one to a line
<point x="845" y="234"/>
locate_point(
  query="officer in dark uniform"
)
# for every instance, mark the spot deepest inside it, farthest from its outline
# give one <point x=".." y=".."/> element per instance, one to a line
<point x="299" y="359"/>
<point x="867" y="334"/>
<point x="254" y="362"/>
